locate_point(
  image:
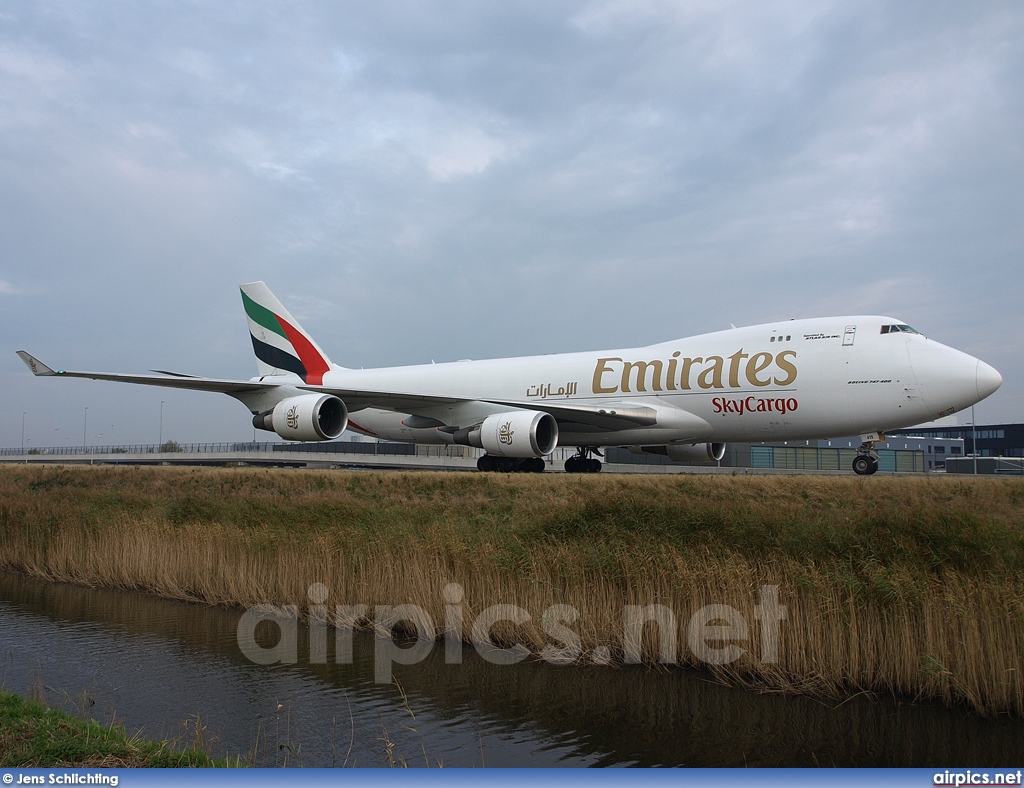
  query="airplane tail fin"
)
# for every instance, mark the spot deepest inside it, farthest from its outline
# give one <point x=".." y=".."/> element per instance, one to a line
<point x="282" y="347"/>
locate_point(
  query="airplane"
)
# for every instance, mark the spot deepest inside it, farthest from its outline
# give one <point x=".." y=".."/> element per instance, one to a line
<point x="685" y="399"/>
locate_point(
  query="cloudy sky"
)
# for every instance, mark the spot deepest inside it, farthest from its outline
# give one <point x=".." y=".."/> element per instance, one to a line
<point x="424" y="181"/>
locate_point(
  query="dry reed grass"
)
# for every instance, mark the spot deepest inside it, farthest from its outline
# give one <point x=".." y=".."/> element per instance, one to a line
<point x="903" y="585"/>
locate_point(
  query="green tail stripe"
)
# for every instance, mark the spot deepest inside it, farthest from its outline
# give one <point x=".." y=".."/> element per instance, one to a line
<point x="262" y="316"/>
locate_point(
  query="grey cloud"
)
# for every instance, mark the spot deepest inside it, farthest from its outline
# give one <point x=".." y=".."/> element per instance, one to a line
<point x="462" y="180"/>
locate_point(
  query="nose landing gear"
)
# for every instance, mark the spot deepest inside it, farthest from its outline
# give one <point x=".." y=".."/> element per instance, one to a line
<point x="582" y="462"/>
<point x="863" y="465"/>
<point x="866" y="461"/>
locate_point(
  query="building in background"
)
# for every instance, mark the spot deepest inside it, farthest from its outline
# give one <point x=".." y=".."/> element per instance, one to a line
<point x="992" y="440"/>
<point x="902" y="453"/>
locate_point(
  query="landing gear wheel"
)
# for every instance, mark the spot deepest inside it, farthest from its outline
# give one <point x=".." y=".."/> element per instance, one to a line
<point x="532" y="465"/>
<point x="864" y="465"/>
<point x="506" y="464"/>
<point x="582" y="462"/>
<point x="485" y="463"/>
<point x="866" y="461"/>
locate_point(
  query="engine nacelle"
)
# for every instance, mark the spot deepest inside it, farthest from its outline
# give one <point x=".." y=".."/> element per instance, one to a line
<point x="521" y="433"/>
<point x="310" y="417"/>
<point x="685" y="452"/>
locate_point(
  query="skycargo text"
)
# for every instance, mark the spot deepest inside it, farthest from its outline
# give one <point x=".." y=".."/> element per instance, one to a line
<point x="754" y="405"/>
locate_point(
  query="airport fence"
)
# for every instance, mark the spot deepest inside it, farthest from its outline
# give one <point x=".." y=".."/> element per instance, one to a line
<point x="328" y="447"/>
<point x="761" y="457"/>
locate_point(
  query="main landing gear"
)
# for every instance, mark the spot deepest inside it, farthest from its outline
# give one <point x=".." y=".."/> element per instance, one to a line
<point x="866" y="461"/>
<point x="510" y="464"/>
<point x="582" y="462"/>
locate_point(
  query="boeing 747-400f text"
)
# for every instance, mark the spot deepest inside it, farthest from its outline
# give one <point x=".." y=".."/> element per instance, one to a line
<point x="795" y="380"/>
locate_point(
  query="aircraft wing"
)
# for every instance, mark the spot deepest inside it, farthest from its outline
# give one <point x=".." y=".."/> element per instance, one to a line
<point x="607" y="415"/>
<point x="402" y="402"/>
<point x="355" y="399"/>
<point x="610" y="416"/>
<point x="173" y="381"/>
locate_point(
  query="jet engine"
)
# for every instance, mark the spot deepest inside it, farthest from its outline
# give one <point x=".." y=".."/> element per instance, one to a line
<point x="521" y="433"/>
<point x="685" y="452"/>
<point x="310" y="417"/>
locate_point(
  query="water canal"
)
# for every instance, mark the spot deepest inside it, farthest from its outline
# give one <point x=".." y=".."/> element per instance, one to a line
<point x="159" y="666"/>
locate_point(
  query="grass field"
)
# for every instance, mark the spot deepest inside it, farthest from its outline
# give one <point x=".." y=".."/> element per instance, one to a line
<point x="906" y="585"/>
<point x="33" y="735"/>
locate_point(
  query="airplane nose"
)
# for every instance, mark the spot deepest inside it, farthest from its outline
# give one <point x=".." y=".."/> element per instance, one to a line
<point x="988" y="380"/>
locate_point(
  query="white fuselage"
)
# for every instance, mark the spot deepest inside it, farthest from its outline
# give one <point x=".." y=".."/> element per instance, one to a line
<point x="793" y="380"/>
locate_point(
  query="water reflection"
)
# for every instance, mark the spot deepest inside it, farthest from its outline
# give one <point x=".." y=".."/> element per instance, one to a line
<point x="156" y="664"/>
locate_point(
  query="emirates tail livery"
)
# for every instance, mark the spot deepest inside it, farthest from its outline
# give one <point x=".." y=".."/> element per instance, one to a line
<point x="796" y="380"/>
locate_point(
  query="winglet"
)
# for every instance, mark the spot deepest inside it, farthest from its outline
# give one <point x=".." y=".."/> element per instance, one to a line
<point x="37" y="366"/>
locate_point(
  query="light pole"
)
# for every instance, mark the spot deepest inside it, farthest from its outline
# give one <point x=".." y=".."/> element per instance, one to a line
<point x="23" y="414"/>
<point x="85" y="425"/>
<point x="161" y="443"/>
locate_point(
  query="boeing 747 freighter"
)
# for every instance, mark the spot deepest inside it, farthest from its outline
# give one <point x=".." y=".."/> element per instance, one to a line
<point x="795" y="380"/>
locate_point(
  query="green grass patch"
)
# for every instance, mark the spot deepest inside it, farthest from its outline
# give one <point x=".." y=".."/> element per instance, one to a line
<point x="32" y="735"/>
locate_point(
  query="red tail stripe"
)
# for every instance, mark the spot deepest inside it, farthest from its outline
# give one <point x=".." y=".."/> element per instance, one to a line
<point x="310" y="357"/>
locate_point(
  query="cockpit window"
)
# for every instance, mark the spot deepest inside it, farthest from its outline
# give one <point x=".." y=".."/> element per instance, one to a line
<point x="899" y="328"/>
